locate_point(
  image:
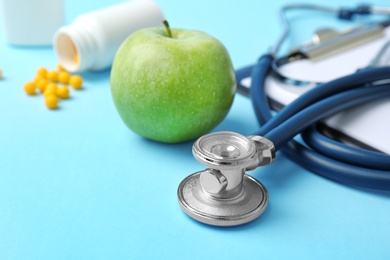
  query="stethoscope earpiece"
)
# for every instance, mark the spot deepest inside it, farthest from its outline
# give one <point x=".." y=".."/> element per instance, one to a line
<point x="223" y="195"/>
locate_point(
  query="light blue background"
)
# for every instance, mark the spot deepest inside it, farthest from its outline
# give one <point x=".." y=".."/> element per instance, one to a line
<point x="77" y="184"/>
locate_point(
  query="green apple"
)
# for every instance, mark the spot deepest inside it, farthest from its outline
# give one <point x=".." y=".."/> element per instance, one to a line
<point x="172" y="85"/>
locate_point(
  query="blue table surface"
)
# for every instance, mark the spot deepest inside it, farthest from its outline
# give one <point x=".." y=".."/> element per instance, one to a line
<point x="75" y="183"/>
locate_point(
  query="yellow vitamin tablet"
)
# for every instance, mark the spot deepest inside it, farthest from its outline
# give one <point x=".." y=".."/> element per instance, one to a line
<point x="64" y="77"/>
<point x="42" y="72"/>
<point x="37" y="79"/>
<point x="63" y="92"/>
<point x="76" y="81"/>
<point x="52" y="75"/>
<point x="76" y="58"/>
<point x="51" y="89"/>
<point x="51" y="101"/>
<point x="1" y="74"/>
<point x="29" y="87"/>
<point x="60" y="67"/>
<point x="41" y="84"/>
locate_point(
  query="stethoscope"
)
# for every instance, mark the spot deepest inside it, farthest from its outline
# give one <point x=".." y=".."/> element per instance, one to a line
<point x="224" y="195"/>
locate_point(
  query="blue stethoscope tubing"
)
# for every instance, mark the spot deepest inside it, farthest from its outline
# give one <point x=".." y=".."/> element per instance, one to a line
<point x="320" y="154"/>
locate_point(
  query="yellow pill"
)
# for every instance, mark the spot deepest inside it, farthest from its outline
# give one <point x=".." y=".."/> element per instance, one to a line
<point x="37" y="79"/>
<point x="29" y="87"/>
<point x="63" y="92"/>
<point x="51" y="89"/>
<point x="60" y="67"/>
<point x="51" y="101"/>
<point x="52" y="75"/>
<point x="1" y="74"/>
<point x="64" y="77"/>
<point x="52" y="85"/>
<point x="42" y="84"/>
<point x="76" y="81"/>
<point x="76" y="58"/>
<point x="42" y="72"/>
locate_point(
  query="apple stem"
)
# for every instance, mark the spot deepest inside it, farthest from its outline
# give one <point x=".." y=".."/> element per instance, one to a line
<point x="169" y="32"/>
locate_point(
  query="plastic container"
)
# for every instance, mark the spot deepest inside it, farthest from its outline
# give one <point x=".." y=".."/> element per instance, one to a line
<point x="31" y="22"/>
<point x="91" y="41"/>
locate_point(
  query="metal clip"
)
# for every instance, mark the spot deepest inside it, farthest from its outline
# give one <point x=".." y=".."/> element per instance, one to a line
<point x="327" y="42"/>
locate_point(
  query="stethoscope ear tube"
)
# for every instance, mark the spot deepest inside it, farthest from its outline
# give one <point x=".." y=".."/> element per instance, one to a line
<point x="350" y="154"/>
<point x="335" y="170"/>
<point x="324" y="108"/>
<point x="260" y="100"/>
<point x="338" y="170"/>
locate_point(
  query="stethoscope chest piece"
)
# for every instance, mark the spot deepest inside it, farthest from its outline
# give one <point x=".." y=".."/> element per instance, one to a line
<point x="223" y="195"/>
<point x="242" y="209"/>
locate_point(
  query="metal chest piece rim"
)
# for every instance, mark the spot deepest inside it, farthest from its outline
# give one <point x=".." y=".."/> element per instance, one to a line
<point x="244" y="208"/>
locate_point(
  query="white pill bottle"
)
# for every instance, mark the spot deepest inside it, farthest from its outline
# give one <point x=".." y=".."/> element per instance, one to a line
<point x="91" y="41"/>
